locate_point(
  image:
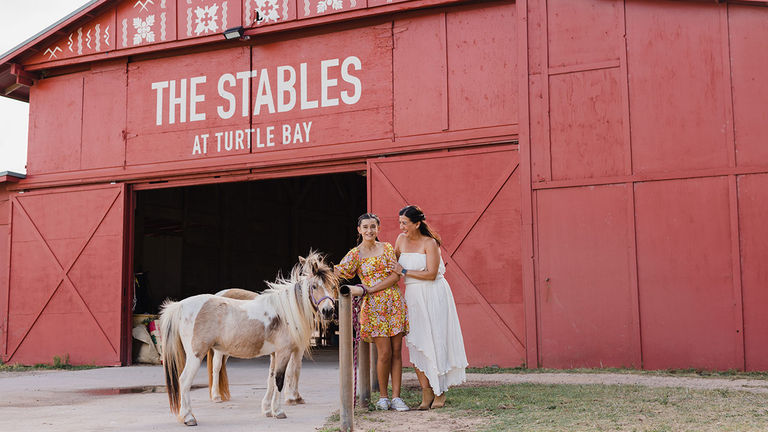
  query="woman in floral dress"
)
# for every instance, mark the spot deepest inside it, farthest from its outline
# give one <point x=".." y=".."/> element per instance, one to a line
<point x="383" y="315"/>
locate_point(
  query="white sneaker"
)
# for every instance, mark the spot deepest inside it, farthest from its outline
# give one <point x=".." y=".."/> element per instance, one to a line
<point x="382" y="404"/>
<point x="399" y="405"/>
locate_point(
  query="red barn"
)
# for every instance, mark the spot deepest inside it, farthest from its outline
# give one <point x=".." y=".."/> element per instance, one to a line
<point x="598" y="169"/>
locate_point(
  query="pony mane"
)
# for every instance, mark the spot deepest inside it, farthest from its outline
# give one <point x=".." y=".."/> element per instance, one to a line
<point x="298" y="311"/>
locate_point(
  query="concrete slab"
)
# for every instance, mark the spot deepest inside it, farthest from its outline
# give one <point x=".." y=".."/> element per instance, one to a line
<point x="134" y="399"/>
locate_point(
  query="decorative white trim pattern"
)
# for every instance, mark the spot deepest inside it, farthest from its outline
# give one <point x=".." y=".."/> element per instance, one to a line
<point x="71" y="42"/>
<point x="52" y="52"/>
<point x="97" y="37"/>
<point x="285" y="9"/>
<point x="224" y="16"/>
<point x="306" y="7"/>
<point x="144" y="4"/>
<point x="80" y="41"/>
<point x="106" y="35"/>
<point x="162" y="26"/>
<point x="189" y="21"/>
<point x="248" y="12"/>
<point x="125" y="32"/>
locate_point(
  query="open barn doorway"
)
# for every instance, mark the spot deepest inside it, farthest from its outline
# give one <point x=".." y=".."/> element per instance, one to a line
<point x="202" y="239"/>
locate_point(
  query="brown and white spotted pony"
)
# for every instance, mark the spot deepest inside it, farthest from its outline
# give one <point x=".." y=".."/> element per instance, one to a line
<point x="280" y="322"/>
<point x="218" y="383"/>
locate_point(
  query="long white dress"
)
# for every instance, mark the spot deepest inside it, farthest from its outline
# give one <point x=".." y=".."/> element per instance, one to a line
<point x="434" y="342"/>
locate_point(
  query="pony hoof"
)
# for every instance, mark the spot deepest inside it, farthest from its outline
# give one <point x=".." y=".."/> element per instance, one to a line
<point x="281" y="415"/>
<point x="296" y="401"/>
<point x="268" y="414"/>
<point x="217" y="399"/>
<point x="191" y="422"/>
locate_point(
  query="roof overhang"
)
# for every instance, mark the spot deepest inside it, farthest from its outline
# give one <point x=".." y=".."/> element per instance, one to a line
<point x="11" y="177"/>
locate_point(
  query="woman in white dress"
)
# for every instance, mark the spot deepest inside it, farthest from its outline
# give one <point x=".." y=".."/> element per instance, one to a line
<point x="435" y="343"/>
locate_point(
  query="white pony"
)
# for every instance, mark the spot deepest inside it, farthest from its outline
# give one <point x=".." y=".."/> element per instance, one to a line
<point x="279" y="322"/>
<point x="218" y="383"/>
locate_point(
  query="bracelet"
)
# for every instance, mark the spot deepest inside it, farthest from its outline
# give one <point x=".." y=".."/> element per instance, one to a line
<point x="365" y="291"/>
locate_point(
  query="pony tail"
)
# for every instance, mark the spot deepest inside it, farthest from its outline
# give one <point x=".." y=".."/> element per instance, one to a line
<point x="174" y="356"/>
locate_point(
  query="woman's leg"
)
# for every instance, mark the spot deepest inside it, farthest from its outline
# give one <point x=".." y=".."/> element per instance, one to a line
<point x="397" y="364"/>
<point x="383" y="364"/>
<point x="427" y="395"/>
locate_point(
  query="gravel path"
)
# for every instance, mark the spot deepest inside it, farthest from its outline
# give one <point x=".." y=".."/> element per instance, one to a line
<point x="697" y="383"/>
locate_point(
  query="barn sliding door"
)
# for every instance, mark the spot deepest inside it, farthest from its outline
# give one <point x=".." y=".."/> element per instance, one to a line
<point x="472" y="198"/>
<point x="66" y="276"/>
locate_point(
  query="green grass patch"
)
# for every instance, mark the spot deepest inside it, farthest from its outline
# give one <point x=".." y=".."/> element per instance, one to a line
<point x="58" y="363"/>
<point x="733" y="374"/>
<point x="551" y="408"/>
<point x="537" y="407"/>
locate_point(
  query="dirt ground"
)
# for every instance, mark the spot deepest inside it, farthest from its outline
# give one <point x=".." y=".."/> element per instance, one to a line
<point x="439" y="420"/>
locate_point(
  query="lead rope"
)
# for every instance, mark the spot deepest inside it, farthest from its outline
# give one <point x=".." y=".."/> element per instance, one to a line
<point x="356" y="304"/>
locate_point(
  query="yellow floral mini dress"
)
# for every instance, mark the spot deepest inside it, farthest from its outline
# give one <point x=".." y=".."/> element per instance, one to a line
<point x="383" y="314"/>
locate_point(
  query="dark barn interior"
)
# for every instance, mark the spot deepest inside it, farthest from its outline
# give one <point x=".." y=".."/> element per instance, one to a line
<point x="203" y="239"/>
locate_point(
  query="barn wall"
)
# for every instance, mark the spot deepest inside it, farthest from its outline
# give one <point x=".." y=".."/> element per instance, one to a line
<point x="5" y="224"/>
<point x="119" y="121"/>
<point x="647" y="156"/>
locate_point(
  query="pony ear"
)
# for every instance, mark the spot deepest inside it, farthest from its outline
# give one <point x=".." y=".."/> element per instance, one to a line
<point x="302" y="260"/>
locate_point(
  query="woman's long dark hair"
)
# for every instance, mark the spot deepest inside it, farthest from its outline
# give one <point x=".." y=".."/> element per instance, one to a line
<point x="363" y="217"/>
<point x="415" y="215"/>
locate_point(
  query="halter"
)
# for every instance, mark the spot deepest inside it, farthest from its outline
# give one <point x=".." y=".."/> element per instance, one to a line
<point x="315" y="304"/>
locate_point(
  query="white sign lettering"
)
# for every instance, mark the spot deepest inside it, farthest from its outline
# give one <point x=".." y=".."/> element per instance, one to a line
<point x="178" y="97"/>
<point x="187" y="94"/>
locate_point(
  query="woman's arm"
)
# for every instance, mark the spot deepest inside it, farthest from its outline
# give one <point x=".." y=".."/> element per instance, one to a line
<point x="433" y="263"/>
<point x="391" y="280"/>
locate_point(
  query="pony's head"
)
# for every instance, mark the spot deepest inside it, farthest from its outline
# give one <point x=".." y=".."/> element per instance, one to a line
<point x="323" y="284"/>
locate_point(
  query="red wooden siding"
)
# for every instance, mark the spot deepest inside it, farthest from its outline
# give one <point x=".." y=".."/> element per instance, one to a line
<point x="470" y="198"/>
<point x="420" y="88"/>
<point x="5" y="249"/>
<point x="588" y="302"/>
<point x="586" y="124"/>
<point x="689" y="312"/>
<point x="748" y="28"/>
<point x="638" y="202"/>
<point x="670" y="115"/>
<point x="677" y="85"/>
<point x="103" y="140"/>
<point x="481" y="54"/>
<point x="753" y="212"/>
<point x="65" y="292"/>
<point x="55" y="126"/>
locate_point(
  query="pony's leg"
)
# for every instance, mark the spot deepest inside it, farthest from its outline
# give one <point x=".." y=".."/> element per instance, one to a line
<point x="266" y="403"/>
<point x="281" y="364"/>
<point x="218" y="358"/>
<point x="185" y="384"/>
<point x="292" y="396"/>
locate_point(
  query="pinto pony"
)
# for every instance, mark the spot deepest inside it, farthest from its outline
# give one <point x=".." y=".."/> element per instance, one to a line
<point x="279" y="322"/>
<point x="218" y="383"/>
